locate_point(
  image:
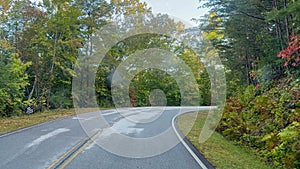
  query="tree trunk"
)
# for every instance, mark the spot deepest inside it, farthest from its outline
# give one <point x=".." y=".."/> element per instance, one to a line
<point x="248" y="69"/>
<point x="286" y="20"/>
<point x="33" y="87"/>
<point x="278" y="26"/>
<point x="52" y="71"/>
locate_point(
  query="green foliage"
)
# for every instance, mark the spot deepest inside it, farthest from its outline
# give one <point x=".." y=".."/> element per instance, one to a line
<point x="292" y="8"/>
<point x="252" y="34"/>
<point x="13" y="82"/>
<point x="222" y="153"/>
<point x="39" y="46"/>
<point x="145" y="82"/>
<point x="40" y="42"/>
<point x="264" y="115"/>
<point x="268" y="122"/>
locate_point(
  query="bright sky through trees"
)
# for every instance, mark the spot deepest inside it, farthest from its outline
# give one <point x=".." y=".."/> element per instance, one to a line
<point x="181" y="9"/>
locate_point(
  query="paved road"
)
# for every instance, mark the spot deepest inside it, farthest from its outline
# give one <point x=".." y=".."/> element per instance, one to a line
<point x="64" y="143"/>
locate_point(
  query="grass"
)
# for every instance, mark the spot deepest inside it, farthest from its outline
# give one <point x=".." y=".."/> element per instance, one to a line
<point x="223" y="154"/>
<point x="18" y="122"/>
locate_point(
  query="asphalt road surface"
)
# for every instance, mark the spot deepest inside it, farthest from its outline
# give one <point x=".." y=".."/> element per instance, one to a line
<point x="70" y="143"/>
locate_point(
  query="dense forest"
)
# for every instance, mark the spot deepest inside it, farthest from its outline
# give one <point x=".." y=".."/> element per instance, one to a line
<point x="257" y="41"/>
<point x="259" y="44"/>
<point x="41" y="42"/>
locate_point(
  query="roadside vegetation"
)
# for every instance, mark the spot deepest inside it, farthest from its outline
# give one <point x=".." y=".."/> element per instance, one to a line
<point x="220" y="152"/>
<point x="39" y="48"/>
<point x="266" y="119"/>
<point x="9" y="124"/>
<point x="259" y="44"/>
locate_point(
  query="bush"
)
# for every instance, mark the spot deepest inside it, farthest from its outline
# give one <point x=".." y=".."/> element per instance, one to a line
<point x="12" y="83"/>
<point x="268" y="122"/>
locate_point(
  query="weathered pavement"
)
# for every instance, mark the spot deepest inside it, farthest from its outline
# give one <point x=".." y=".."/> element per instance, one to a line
<point x="64" y="144"/>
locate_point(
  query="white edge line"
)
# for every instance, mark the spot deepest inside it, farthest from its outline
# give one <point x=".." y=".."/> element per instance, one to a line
<point x="185" y="145"/>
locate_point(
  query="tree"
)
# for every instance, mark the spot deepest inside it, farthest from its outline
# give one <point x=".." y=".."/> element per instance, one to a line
<point x="250" y="40"/>
<point x="13" y="78"/>
<point x="262" y="109"/>
<point x="51" y="42"/>
<point x="144" y="82"/>
<point x="292" y="53"/>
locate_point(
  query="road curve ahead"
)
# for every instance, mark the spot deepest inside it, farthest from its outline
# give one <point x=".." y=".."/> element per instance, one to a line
<point x="129" y="138"/>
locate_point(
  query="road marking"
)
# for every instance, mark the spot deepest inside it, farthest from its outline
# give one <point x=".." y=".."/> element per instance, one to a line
<point x="76" y="153"/>
<point x="47" y="136"/>
<point x="185" y="145"/>
<point x="72" y="153"/>
<point x="33" y="126"/>
<point x="120" y="111"/>
<point x="56" y="162"/>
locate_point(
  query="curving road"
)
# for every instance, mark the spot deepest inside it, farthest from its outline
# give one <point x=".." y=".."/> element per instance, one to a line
<point x="64" y="143"/>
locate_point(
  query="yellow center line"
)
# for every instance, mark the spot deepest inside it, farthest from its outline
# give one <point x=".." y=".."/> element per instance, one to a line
<point x="75" y="154"/>
<point x="66" y="153"/>
<point x="71" y="150"/>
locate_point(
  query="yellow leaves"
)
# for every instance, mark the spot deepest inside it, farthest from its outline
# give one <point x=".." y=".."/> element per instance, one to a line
<point x="142" y="6"/>
<point x="130" y="11"/>
<point x="215" y="23"/>
<point x="187" y="52"/>
<point x="180" y="26"/>
<point x="116" y="1"/>
<point x="213" y="35"/>
<point x="212" y="14"/>
<point x="4" y="4"/>
<point x="4" y="44"/>
<point x="130" y="7"/>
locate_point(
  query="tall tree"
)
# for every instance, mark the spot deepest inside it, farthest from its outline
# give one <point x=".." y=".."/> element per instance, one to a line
<point x="13" y="79"/>
<point x="251" y="40"/>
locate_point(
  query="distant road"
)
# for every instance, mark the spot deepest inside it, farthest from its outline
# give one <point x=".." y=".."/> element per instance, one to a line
<point x="64" y="144"/>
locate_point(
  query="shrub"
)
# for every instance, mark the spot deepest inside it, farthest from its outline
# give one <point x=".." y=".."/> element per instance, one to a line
<point x="268" y="122"/>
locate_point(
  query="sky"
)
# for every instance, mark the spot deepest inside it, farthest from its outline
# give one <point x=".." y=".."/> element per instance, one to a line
<point x="184" y="10"/>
